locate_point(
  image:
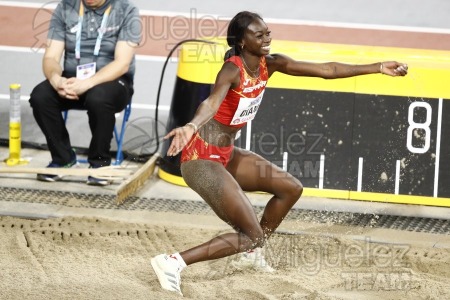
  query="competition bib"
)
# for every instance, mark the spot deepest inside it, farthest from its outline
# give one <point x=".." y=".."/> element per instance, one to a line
<point x="246" y="110"/>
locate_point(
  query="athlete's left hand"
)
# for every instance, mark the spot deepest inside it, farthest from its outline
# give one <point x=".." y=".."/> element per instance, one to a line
<point x="394" y="68"/>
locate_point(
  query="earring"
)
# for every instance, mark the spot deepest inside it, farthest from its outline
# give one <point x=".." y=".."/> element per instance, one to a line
<point x="242" y="47"/>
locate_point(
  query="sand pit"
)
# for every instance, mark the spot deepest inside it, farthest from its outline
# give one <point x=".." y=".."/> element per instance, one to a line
<point x="94" y="258"/>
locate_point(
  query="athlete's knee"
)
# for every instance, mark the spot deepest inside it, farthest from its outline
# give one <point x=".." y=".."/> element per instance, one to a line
<point x="296" y="189"/>
<point x="292" y="190"/>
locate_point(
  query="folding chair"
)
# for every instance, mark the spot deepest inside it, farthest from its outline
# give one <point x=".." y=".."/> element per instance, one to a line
<point x="117" y="135"/>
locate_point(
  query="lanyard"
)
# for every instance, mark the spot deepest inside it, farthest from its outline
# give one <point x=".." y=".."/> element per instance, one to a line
<point x="100" y="33"/>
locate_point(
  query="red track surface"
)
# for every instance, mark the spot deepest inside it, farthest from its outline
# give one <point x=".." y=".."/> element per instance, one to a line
<point x="27" y="27"/>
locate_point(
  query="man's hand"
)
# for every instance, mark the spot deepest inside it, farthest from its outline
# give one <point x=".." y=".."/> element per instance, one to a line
<point x="59" y="84"/>
<point x="75" y="87"/>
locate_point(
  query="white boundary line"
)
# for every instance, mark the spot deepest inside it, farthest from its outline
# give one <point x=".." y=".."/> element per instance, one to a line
<point x="438" y="149"/>
<point x="194" y="15"/>
<point x="25" y="98"/>
<point x="358" y="26"/>
<point x="360" y="172"/>
<point x="285" y="161"/>
<point x="21" y="49"/>
<point x="321" y="171"/>
<point x="7" y="97"/>
<point x="41" y="51"/>
<point x="397" y="177"/>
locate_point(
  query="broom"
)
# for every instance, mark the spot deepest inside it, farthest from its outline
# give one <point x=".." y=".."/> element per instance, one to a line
<point x="133" y="183"/>
<point x="125" y="189"/>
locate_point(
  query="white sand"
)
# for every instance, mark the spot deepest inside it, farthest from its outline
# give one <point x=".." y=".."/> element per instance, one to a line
<point x="90" y="258"/>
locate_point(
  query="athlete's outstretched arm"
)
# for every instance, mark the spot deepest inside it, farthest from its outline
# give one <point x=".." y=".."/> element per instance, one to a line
<point x="331" y="70"/>
<point x="228" y="77"/>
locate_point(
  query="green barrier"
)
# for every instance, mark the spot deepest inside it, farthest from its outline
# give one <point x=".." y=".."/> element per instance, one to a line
<point x="374" y="137"/>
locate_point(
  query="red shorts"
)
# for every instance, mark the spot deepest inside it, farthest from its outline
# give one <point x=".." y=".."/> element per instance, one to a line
<point x="197" y="148"/>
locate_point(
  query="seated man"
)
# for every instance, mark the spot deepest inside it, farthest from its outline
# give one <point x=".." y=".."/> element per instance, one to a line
<point x="98" y="39"/>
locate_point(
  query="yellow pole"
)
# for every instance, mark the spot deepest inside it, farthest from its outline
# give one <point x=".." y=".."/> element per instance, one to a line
<point x="15" y="141"/>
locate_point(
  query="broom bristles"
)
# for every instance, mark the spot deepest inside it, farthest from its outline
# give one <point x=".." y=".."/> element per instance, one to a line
<point x="137" y="180"/>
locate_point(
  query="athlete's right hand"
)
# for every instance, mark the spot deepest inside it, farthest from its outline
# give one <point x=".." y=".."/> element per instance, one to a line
<point x="181" y="136"/>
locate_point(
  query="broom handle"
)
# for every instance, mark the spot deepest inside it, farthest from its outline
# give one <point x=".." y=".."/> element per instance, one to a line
<point x="105" y="172"/>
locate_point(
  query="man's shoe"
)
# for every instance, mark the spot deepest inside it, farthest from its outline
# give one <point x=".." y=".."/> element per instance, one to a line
<point x="91" y="180"/>
<point x="252" y="259"/>
<point x="97" y="181"/>
<point x="53" y="178"/>
<point x="168" y="270"/>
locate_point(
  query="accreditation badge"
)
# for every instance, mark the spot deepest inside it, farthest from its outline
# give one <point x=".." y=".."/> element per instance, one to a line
<point x="86" y="71"/>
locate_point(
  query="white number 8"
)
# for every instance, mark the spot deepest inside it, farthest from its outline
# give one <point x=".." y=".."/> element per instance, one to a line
<point x="424" y="126"/>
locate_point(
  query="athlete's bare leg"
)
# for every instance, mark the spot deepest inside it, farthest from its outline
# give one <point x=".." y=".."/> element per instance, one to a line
<point x="217" y="186"/>
<point x="223" y="194"/>
<point x="254" y="173"/>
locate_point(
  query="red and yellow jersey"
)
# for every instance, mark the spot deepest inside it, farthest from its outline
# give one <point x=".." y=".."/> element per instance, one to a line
<point x="241" y="104"/>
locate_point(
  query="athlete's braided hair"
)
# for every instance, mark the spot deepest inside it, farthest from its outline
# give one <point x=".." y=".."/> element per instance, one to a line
<point x="236" y="30"/>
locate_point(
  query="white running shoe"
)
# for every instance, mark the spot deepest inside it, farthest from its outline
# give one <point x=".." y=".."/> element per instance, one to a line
<point x="168" y="270"/>
<point x="252" y="259"/>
